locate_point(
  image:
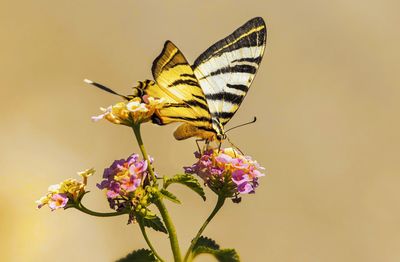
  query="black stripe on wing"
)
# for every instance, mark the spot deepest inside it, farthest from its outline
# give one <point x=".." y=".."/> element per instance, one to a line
<point x="249" y="69"/>
<point x="201" y="98"/>
<point x="190" y="76"/>
<point x="225" y="96"/>
<point x="189" y="104"/>
<point x="226" y="115"/>
<point x="256" y="38"/>
<point x="256" y="60"/>
<point x="184" y="82"/>
<point x="243" y="88"/>
<point x="191" y="119"/>
<point x="155" y="67"/>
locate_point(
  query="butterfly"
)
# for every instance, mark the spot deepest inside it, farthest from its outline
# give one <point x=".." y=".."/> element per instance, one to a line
<point x="204" y="96"/>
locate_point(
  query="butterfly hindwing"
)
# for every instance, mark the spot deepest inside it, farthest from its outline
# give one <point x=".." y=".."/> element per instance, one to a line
<point x="226" y="70"/>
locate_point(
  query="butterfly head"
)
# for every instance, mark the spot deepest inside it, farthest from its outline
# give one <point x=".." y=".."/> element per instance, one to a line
<point x="221" y="137"/>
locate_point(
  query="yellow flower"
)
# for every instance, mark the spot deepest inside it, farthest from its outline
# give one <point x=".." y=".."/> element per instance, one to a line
<point x="86" y="173"/>
<point x="135" y="105"/>
<point x="229" y="151"/>
<point x="72" y="187"/>
<point x="134" y="111"/>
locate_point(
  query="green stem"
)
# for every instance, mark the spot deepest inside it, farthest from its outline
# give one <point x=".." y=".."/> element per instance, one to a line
<point x="171" y="230"/>
<point x="160" y="205"/>
<point x="143" y="229"/>
<point x="136" y="130"/>
<point x="220" y="203"/>
<point x="82" y="208"/>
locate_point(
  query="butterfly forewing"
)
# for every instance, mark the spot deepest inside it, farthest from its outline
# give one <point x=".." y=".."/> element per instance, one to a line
<point x="226" y="70"/>
<point x="177" y="84"/>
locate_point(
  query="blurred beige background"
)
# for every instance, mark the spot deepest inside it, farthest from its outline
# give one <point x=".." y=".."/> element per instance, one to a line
<point x="326" y="96"/>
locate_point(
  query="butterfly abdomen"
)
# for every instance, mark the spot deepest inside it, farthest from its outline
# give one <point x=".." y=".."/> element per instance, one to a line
<point x="185" y="131"/>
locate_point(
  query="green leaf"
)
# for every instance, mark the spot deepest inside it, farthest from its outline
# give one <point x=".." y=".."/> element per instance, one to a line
<point x="150" y="214"/>
<point x="205" y="245"/>
<point x="222" y="255"/>
<point x="155" y="223"/>
<point x="206" y="242"/>
<point x="227" y="255"/>
<point x="140" y="255"/>
<point x="168" y="195"/>
<point x="187" y="180"/>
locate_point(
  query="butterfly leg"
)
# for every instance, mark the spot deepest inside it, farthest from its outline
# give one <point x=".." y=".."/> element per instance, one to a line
<point x="198" y="146"/>
<point x="219" y="146"/>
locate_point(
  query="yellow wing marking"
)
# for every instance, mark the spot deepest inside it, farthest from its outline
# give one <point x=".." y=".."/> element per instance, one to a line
<point x="177" y="84"/>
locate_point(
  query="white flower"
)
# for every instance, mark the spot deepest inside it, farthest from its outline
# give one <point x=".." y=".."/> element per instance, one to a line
<point x="136" y="106"/>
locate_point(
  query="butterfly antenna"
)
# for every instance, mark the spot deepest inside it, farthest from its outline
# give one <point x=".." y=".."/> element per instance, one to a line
<point x="248" y="123"/>
<point x="104" y="88"/>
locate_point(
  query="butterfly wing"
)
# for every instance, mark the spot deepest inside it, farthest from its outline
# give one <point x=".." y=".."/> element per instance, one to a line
<point x="226" y="70"/>
<point x="178" y="85"/>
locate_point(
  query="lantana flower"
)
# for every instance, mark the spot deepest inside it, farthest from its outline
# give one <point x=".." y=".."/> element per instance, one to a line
<point x="59" y="195"/>
<point x="227" y="171"/>
<point x="129" y="113"/>
<point x="124" y="182"/>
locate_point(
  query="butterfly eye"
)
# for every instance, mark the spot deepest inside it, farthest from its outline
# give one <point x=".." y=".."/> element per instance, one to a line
<point x="221" y="137"/>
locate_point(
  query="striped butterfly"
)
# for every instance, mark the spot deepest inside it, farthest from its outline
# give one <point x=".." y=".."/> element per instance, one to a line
<point x="205" y="95"/>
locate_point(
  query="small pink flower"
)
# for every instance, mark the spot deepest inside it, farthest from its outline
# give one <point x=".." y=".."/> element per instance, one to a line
<point x="106" y="111"/>
<point x="58" y="201"/>
<point x="129" y="185"/>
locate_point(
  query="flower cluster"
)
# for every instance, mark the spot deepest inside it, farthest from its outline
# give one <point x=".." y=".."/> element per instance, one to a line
<point x="124" y="182"/>
<point x="69" y="190"/>
<point x="227" y="171"/>
<point x="135" y="111"/>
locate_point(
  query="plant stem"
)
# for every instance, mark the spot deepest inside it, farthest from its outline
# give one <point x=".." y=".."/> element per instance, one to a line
<point x="220" y="203"/>
<point x="82" y="208"/>
<point x="136" y="130"/>
<point x="143" y="229"/>
<point x="159" y="203"/>
<point x="171" y="230"/>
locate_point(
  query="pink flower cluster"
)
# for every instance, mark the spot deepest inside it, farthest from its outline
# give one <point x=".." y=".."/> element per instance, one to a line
<point x="122" y="179"/>
<point x="227" y="168"/>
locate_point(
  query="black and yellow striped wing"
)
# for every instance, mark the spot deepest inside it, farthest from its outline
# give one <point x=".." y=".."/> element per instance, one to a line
<point x="226" y="70"/>
<point x="177" y="84"/>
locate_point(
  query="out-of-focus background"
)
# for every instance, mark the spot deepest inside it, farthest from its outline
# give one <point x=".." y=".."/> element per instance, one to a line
<point x="326" y="97"/>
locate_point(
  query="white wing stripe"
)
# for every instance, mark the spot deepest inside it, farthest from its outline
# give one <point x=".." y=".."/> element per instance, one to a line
<point x="227" y="68"/>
